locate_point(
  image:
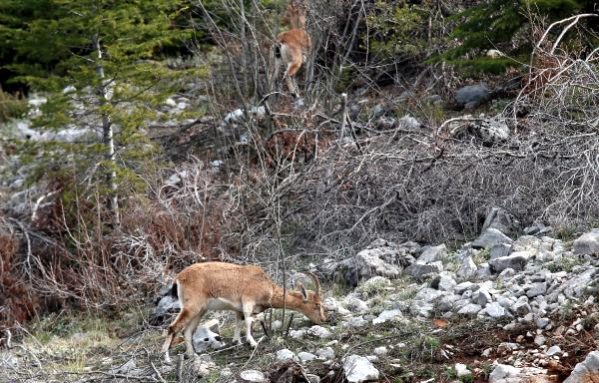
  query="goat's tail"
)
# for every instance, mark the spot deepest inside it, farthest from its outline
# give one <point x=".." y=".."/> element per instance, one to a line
<point x="278" y="47"/>
<point x="173" y="292"/>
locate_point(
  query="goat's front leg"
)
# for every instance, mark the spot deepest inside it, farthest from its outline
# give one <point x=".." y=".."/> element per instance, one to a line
<point x="238" y="323"/>
<point x="247" y="313"/>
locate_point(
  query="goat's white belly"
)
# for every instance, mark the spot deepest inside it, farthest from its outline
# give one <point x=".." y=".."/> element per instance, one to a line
<point x="223" y="304"/>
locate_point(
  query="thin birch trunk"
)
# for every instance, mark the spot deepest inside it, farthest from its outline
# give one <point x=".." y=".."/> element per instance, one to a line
<point x="107" y="138"/>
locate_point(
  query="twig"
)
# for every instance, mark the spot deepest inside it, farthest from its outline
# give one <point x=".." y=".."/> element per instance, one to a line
<point x="157" y="373"/>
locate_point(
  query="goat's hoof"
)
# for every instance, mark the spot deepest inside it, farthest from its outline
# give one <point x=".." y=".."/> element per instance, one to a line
<point x="253" y="343"/>
<point x="189" y="356"/>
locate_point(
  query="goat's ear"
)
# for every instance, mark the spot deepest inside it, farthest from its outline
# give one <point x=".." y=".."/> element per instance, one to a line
<point x="302" y="289"/>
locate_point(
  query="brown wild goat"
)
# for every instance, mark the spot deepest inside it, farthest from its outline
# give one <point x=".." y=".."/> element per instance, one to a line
<point x="292" y="46"/>
<point x="247" y="290"/>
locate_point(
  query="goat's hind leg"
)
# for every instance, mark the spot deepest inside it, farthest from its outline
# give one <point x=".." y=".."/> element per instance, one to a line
<point x="188" y="333"/>
<point x="177" y="325"/>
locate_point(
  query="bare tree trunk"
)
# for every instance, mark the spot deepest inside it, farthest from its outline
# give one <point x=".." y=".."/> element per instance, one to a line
<point x="107" y="138"/>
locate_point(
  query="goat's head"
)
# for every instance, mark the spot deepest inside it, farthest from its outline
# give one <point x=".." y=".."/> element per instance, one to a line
<point x="295" y="14"/>
<point x="312" y="305"/>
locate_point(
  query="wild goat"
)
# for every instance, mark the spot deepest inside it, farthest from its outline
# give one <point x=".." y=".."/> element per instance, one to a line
<point x="292" y="46"/>
<point x="247" y="290"/>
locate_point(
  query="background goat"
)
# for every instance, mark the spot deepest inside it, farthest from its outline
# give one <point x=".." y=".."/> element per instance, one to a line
<point x="247" y="290"/>
<point x="292" y="46"/>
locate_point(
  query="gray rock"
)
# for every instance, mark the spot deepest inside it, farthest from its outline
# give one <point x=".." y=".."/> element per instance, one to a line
<point x="373" y="286"/>
<point x="521" y="307"/>
<point x="467" y="285"/>
<point x="447" y="303"/>
<point x="326" y="353"/>
<point x="585" y="371"/>
<point x="501" y="250"/>
<point x="306" y="356"/>
<point x="297" y="334"/>
<point x="355" y="304"/>
<point x="471" y="96"/>
<point x="588" y="243"/>
<point x="540" y="340"/>
<point x="444" y="282"/>
<point x="482" y="297"/>
<point x="207" y="337"/>
<point x="498" y="218"/>
<point x="536" y="289"/>
<point x="320" y="332"/>
<point x="515" y="261"/>
<point x="357" y="322"/>
<point x="470" y="309"/>
<point x="203" y="365"/>
<point x="381" y="351"/>
<point x="493" y="129"/>
<point x="387" y="315"/>
<point x="409" y="123"/>
<point x="542" y="322"/>
<point x="253" y="376"/>
<point x="359" y="369"/>
<point x="462" y="370"/>
<point x="432" y="254"/>
<point x="495" y="310"/>
<point x="553" y="350"/>
<point x="166" y="306"/>
<point x="381" y="257"/>
<point x="285" y="354"/>
<point x="467" y="269"/>
<point x="378" y="111"/>
<point x="483" y="272"/>
<point x="422" y="270"/>
<point x="489" y="238"/>
<point x="503" y="371"/>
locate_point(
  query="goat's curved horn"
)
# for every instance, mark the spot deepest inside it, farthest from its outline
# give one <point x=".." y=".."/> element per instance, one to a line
<point x="316" y="282"/>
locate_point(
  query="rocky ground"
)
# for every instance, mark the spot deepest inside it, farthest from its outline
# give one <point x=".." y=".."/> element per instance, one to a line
<point x="494" y="310"/>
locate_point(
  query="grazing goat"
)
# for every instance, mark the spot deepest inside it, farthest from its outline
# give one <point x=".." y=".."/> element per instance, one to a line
<point x="247" y="290"/>
<point x="292" y="46"/>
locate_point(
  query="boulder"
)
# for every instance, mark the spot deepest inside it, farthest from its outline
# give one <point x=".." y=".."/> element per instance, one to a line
<point x="516" y="261"/>
<point x="587" y="370"/>
<point x="588" y="243"/>
<point x="489" y="238"/>
<point x="471" y="96"/>
<point x="498" y="218"/>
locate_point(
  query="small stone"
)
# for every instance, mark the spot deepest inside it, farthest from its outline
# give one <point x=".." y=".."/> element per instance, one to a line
<point x="326" y="353"/>
<point x="542" y="322"/>
<point x="433" y="254"/>
<point x="503" y="371"/>
<point x="489" y="238"/>
<point x="380" y="351"/>
<point x="470" y="309"/>
<point x="254" y="376"/>
<point x="285" y="354"/>
<point x="359" y="369"/>
<point x="387" y="315"/>
<point x="306" y="356"/>
<point x="462" y="370"/>
<point x="320" y="332"/>
<point x="540" y="340"/>
<point x="467" y="269"/>
<point x="553" y="350"/>
<point x="495" y="310"/>
<point x="536" y="289"/>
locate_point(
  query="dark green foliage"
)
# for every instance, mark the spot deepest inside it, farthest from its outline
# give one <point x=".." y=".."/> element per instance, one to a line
<point x="508" y="26"/>
<point x="52" y="45"/>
